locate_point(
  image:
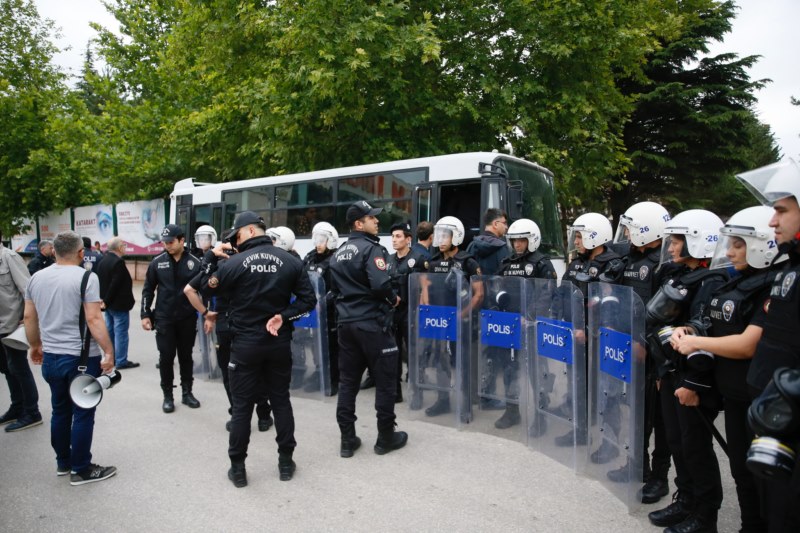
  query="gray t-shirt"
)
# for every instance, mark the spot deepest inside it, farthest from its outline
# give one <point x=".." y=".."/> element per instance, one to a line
<point x="56" y="293"/>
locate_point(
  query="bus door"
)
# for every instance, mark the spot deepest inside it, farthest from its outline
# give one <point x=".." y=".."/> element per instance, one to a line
<point x="461" y="199"/>
<point x="424" y="204"/>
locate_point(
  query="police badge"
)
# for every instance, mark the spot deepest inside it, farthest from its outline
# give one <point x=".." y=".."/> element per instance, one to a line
<point x="593" y="272"/>
<point x="643" y="271"/>
<point x="190" y="264"/>
<point x="727" y="310"/>
<point x="788" y="281"/>
<point x="411" y="263"/>
<point x="528" y="269"/>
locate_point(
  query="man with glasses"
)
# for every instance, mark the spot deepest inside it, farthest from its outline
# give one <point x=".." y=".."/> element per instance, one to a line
<point x="490" y="247"/>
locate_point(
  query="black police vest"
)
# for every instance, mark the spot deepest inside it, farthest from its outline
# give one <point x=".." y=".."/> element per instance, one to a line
<point x="729" y="312"/>
<point x="640" y="272"/>
<point x="530" y="265"/>
<point x="581" y="271"/>
<point x="461" y="264"/>
<point x="780" y="343"/>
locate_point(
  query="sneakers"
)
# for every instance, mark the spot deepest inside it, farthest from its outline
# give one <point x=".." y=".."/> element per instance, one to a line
<point x="63" y="470"/>
<point x="24" y="422"/>
<point x="238" y="475"/>
<point x="92" y="474"/>
<point x="8" y="417"/>
<point x="128" y="364"/>
<point x="264" y="423"/>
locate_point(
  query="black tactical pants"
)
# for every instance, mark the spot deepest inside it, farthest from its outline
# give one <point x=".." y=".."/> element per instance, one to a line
<point x="171" y="338"/>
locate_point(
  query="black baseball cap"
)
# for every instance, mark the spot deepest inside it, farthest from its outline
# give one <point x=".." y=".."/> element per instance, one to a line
<point x="245" y="218"/>
<point x="405" y="226"/>
<point x="359" y="210"/>
<point x="171" y="232"/>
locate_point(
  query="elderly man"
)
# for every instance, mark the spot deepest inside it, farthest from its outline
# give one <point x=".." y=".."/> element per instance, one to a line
<point x="116" y="290"/>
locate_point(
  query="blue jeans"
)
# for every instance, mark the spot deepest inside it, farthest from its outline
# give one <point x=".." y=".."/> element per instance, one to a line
<point x="117" y="323"/>
<point x="21" y="385"/>
<point x="71" y="427"/>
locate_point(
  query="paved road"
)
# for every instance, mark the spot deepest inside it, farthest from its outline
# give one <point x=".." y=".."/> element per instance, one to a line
<point x="172" y="474"/>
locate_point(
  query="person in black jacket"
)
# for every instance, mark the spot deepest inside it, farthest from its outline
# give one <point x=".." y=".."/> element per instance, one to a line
<point x="490" y="248"/>
<point x="90" y="257"/>
<point x="116" y="290"/>
<point x="174" y="319"/>
<point x="365" y="300"/>
<point x="44" y="257"/>
<point x="259" y="282"/>
<point x="689" y="402"/>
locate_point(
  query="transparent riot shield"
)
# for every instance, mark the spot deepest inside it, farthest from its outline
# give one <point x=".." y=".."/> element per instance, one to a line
<point x="311" y="375"/>
<point x="616" y="389"/>
<point x="204" y="357"/>
<point x="502" y="322"/>
<point x="439" y="347"/>
<point x="556" y="408"/>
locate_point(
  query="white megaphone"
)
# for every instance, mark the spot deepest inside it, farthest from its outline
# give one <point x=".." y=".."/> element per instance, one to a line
<point x="87" y="391"/>
<point x="17" y="340"/>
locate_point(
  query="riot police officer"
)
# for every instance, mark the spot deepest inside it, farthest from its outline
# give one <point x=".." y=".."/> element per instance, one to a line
<point x="405" y="261"/>
<point x="364" y="303"/>
<point x="641" y="231"/>
<point x="528" y="262"/>
<point x="588" y="238"/>
<point x="174" y="318"/>
<point x="448" y="235"/>
<point x="729" y="327"/>
<point x="778" y="185"/>
<point x="259" y="281"/>
<point x="283" y="238"/>
<point x="688" y="401"/>
<point x="325" y="239"/>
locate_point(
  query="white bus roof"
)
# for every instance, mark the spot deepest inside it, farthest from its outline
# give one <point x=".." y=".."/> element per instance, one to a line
<point x="441" y="168"/>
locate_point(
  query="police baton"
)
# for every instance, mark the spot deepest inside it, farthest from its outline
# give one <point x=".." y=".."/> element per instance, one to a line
<point x="714" y="431"/>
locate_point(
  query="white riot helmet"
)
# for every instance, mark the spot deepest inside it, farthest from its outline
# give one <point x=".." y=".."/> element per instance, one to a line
<point x="773" y="182"/>
<point x="205" y="237"/>
<point x="525" y="228"/>
<point x="325" y="233"/>
<point x="644" y="223"/>
<point x="699" y="227"/>
<point x="282" y="237"/>
<point x="749" y="227"/>
<point x="448" y="226"/>
<point x="595" y="230"/>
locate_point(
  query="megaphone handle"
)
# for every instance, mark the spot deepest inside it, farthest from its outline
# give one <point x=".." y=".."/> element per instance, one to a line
<point x="82" y="369"/>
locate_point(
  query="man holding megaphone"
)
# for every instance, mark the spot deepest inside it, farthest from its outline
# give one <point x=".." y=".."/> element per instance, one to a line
<point x="58" y="301"/>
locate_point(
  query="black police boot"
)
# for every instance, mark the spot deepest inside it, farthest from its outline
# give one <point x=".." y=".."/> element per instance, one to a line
<point x="510" y="417"/>
<point x="350" y="442"/>
<point x="696" y="523"/>
<point x="654" y="489"/>
<point x="621" y="474"/>
<point x="441" y="406"/>
<point x="368" y="382"/>
<point x="286" y="466"/>
<point x="188" y="398"/>
<point x="390" y="440"/>
<point x="169" y="403"/>
<point x="264" y="423"/>
<point x="237" y="474"/>
<point x="673" y="514"/>
<point x="605" y="453"/>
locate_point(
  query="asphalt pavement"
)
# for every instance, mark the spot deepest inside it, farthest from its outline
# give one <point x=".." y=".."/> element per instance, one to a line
<point x="173" y="473"/>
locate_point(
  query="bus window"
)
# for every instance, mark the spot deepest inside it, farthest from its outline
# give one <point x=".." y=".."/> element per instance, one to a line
<point x="302" y="194"/>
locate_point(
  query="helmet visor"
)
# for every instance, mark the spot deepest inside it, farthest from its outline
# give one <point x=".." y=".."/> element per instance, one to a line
<point x="319" y="239"/>
<point x="203" y="241"/>
<point x="442" y="235"/>
<point x="731" y="252"/>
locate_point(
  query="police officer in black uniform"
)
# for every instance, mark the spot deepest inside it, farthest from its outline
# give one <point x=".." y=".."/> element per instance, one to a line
<point x="174" y="319"/>
<point x="325" y="239"/>
<point x="405" y="261"/>
<point x="641" y="231"/>
<point x="589" y="236"/>
<point x="778" y="185"/>
<point x="730" y="327"/>
<point x="528" y="262"/>
<point x="689" y="402"/>
<point x="90" y="257"/>
<point x="448" y="235"/>
<point x="259" y="282"/>
<point x="365" y="300"/>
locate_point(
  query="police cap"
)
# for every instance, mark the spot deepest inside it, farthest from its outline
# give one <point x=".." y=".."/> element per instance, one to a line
<point x="405" y="226"/>
<point x="171" y="232"/>
<point x="245" y="218"/>
<point x="360" y="210"/>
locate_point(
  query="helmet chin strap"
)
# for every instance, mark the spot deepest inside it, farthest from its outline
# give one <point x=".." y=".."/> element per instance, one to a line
<point x="786" y="247"/>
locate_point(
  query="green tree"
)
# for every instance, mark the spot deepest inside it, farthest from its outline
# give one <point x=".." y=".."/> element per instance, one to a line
<point x="693" y="126"/>
<point x="31" y="89"/>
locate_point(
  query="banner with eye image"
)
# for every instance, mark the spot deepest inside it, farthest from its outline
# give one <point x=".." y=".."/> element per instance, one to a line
<point x="95" y="222"/>
<point x="139" y="224"/>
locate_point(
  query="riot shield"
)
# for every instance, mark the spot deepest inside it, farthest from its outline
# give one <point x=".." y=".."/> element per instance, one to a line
<point x="311" y="375"/>
<point x="557" y="412"/>
<point x="503" y="323"/>
<point x="204" y="360"/>
<point x="616" y="389"/>
<point x="438" y="348"/>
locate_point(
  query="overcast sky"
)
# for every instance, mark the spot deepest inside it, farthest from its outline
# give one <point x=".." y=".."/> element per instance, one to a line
<point x="762" y="27"/>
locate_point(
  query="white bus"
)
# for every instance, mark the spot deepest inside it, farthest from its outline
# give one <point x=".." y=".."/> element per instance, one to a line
<point x="461" y="185"/>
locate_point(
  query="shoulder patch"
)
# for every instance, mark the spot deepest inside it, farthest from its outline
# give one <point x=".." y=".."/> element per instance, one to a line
<point x="380" y="263"/>
<point x="213" y="282"/>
